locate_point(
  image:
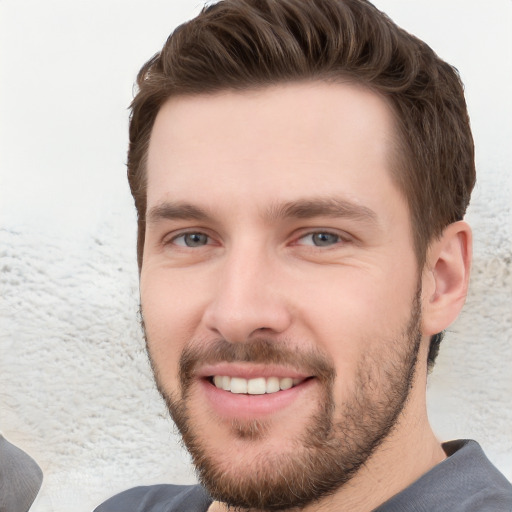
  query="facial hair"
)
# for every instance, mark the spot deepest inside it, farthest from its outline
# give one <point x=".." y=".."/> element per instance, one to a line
<point x="336" y="440"/>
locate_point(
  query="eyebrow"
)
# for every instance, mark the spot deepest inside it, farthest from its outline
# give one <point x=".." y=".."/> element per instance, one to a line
<point x="321" y="207"/>
<point x="176" y="211"/>
<point x="300" y="209"/>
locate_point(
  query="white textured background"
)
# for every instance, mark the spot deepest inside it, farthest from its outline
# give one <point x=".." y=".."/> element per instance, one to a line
<point x="75" y="389"/>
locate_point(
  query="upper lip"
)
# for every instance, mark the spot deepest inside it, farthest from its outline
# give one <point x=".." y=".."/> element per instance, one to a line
<point x="249" y="371"/>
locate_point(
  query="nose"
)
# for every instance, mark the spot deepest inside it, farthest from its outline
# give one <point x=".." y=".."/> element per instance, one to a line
<point x="249" y="298"/>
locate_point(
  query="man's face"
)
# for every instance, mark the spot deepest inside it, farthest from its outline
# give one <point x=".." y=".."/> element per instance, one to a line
<point x="279" y="286"/>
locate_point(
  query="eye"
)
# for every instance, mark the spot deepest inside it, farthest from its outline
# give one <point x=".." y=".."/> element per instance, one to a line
<point x="191" y="240"/>
<point x="320" y="239"/>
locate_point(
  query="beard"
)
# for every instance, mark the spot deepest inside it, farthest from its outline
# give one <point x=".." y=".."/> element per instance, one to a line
<point x="336" y="440"/>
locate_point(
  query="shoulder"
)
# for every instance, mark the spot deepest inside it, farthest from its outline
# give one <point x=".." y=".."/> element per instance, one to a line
<point x="479" y="486"/>
<point x="158" y="498"/>
<point x="465" y="482"/>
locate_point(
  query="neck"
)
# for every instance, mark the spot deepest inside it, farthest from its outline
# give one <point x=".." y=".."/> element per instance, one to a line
<point x="410" y="451"/>
<point x="395" y="465"/>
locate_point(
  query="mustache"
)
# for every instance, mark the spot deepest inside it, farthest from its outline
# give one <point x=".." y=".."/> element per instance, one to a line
<point x="257" y="350"/>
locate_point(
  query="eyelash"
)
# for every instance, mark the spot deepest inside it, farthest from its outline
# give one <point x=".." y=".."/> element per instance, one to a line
<point x="312" y="234"/>
<point x="207" y="238"/>
<point x="172" y="241"/>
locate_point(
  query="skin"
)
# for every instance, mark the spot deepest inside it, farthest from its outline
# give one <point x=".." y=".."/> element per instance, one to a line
<point x="239" y="159"/>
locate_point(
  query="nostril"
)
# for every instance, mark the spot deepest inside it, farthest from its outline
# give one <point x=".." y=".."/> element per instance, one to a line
<point x="240" y="318"/>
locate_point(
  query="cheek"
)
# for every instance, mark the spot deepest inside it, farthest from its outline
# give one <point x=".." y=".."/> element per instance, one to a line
<point x="357" y="311"/>
<point x="170" y="313"/>
<point x="171" y="301"/>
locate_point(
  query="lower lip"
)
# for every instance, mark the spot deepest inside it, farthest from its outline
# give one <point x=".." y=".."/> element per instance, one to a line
<point x="249" y="407"/>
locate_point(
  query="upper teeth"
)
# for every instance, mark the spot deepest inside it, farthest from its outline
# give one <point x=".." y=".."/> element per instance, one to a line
<point x="257" y="386"/>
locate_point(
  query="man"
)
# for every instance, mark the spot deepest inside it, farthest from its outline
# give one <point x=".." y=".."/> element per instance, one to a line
<point x="301" y="169"/>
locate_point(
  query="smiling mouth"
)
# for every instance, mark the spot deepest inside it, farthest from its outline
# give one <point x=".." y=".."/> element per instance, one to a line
<point x="255" y="386"/>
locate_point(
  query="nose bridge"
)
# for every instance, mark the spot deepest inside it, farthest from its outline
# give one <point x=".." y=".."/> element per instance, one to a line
<point x="247" y="297"/>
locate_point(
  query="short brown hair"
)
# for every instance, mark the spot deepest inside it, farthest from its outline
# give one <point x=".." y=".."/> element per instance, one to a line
<point x="245" y="44"/>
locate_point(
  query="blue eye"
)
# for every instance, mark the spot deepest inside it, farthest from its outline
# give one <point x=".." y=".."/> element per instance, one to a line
<point x="321" y="239"/>
<point x="191" y="240"/>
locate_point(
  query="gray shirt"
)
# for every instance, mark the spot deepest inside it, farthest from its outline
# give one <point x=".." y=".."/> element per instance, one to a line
<point x="465" y="482"/>
<point x="20" y="478"/>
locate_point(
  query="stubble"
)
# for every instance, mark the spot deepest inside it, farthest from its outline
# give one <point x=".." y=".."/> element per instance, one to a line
<point x="337" y="439"/>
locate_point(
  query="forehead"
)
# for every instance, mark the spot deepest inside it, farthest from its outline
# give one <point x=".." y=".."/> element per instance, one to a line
<point x="271" y="143"/>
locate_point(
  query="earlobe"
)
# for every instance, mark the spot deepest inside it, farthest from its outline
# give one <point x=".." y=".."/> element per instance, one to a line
<point x="446" y="277"/>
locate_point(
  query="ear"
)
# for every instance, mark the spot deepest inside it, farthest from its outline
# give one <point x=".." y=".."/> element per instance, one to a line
<point x="446" y="277"/>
